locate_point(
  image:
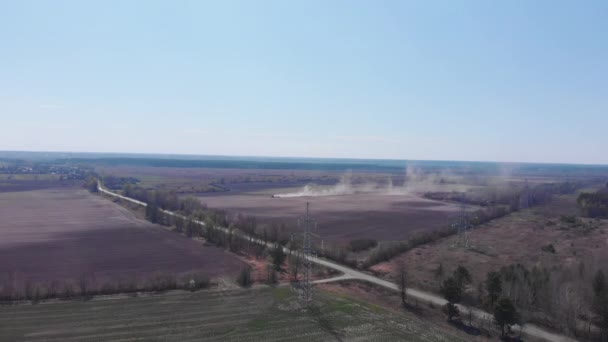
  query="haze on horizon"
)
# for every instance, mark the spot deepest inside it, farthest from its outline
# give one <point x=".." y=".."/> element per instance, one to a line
<point x="441" y="80"/>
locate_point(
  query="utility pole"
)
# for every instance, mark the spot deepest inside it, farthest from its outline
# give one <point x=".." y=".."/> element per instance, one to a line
<point x="463" y="226"/>
<point x="307" y="224"/>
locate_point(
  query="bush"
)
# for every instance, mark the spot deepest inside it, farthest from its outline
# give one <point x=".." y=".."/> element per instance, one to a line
<point x="278" y="257"/>
<point x="195" y="281"/>
<point x="387" y="251"/>
<point x="362" y="244"/>
<point x="107" y="289"/>
<point x="548" y="248"/>
<point x="569" y="219"/>
<point x="90" y="184"/>
<point x="244" y="278"/>
<point x="162" y="283"/>
<point x="450" y="310"/>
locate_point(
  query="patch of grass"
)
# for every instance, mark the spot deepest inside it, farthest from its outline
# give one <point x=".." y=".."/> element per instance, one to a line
<point x="258" y="324"/>
<point x="282" y="293"/>
<point x="346" y="300"/>
<point x="342" y="305"/>
<point x="235" y="315"/>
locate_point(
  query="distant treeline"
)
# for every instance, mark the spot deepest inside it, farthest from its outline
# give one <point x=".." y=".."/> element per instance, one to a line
<point x="328" y="164"/>
<point x="512" y="197"/>
<point x="241" y="164"/>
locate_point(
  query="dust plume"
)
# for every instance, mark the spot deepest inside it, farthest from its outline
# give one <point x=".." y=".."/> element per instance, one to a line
<point x="413" y="181"/>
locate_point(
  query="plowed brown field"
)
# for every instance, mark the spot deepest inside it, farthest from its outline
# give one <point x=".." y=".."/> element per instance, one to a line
<point x="59" y="234"/>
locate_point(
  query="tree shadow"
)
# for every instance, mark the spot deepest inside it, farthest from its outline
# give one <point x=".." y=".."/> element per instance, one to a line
<point x="511" y="339"/>
<point x="471" y="330"/>
<point x="415" y="309"/>
<point x="324" y="323"/>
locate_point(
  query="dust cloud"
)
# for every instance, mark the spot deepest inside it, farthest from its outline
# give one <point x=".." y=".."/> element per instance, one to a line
<point x="413" y="181"/>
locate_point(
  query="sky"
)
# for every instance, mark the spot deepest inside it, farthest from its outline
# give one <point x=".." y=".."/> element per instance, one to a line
<point x="520" y="81"/>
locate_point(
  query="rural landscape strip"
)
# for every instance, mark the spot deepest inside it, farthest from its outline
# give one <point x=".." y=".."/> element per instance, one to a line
<point x="349" y="273"/>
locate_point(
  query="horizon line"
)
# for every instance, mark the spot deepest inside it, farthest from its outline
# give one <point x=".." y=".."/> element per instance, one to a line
<point x="307" y="157"/>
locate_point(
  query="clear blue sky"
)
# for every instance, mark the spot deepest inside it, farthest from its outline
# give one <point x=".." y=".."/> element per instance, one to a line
<point x="452" y="80"/>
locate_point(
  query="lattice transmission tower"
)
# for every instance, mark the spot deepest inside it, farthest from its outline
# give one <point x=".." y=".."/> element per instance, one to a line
<point x="307" y="225"/>
<point x="463" y="226"/>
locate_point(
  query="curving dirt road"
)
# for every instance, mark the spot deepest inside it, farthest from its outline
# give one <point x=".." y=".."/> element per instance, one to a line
<point x="349" y="273"/>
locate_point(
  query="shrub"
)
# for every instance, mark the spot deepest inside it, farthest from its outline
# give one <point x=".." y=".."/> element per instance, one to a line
<point x="569" y="219"/>
<point x="387" y="251"/>
<point x="278" y="257"/>
<point x="162" y="283"/>
<point x="244" y="278"/>
<point x="195" y="281"/>
<point x="127" y="285"/>
<point x="338" y="254"/>
<point x="108" y="288"/>
<point x="362" y="244"/>
<point x="548" y="248"/>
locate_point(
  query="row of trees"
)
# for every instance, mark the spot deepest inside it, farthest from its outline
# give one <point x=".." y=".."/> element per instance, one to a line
<point x="388" y="250"/>
<point x="568" y="299"/>
<point x="509" y="196"/>
<point x="86" y="286"/>
<point x="455" y="291"/>
<point x="600" y="303"/>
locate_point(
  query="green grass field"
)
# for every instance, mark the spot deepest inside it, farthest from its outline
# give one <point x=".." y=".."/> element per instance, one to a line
<point x="235" y="315"/>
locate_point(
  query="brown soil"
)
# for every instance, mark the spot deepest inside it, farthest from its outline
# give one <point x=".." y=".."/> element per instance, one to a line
<point x="62" y="233"/>
<point x="342" y="218"/>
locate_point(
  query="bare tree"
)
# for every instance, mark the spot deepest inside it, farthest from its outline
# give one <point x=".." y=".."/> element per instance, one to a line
<point x="83" y="284"/>
<point x="294" y="265"/>
<point x="402" y="283"/>
<point x="29" y="289"/>
<point x="52" y="289"/>
<point x="438" y="274"/>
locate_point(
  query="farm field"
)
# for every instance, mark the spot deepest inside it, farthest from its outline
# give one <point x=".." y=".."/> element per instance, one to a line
<point x="372" y="213"/>
<point x="61" y="234"/>
<point x="193" y="180"/>
<point x="342" y="218"/>
<point x="269" y="314"/>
